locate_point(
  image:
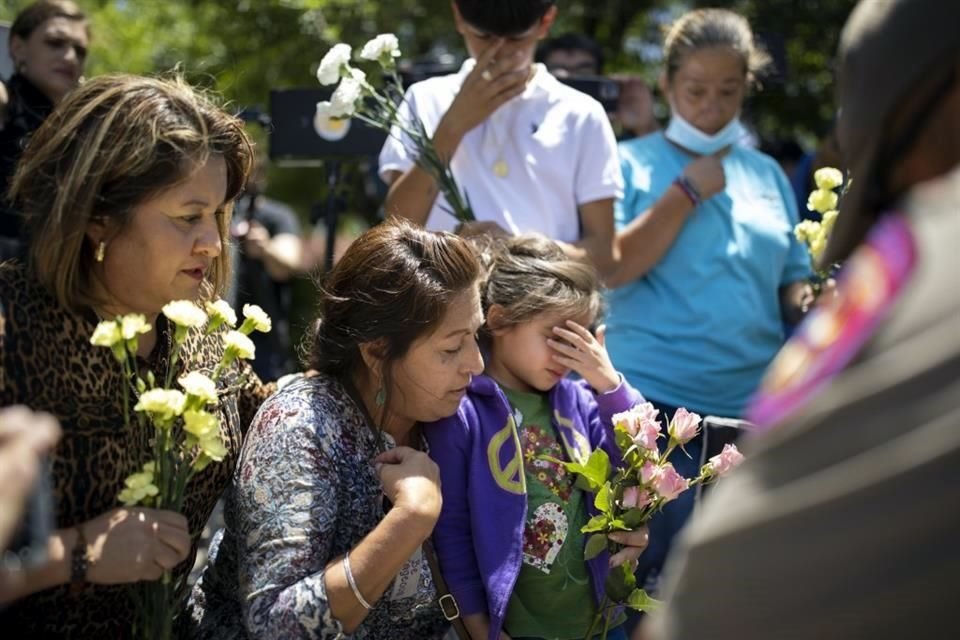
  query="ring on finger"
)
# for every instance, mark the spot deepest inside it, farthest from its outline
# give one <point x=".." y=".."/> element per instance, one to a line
<point x="486" y="75"/>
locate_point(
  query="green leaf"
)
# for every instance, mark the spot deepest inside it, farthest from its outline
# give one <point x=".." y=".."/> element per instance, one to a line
<point x="620" y="583"/>
<point x="598" y="466"/>
<point x="634" y="518"/>
<point x="623" y="440"/>
<point x="619" y="525"/>
<point x="602" y="501"/>
<point x="595" y="544"/>
<point x="640" y="601"/>
<point x="584" y="484"/>
<point x="596" y="523"/>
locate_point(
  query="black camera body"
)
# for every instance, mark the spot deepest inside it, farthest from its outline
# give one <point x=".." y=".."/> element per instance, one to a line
<point x="606" y="91"/>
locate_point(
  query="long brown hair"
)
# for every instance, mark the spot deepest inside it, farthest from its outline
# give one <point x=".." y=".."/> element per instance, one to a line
<point x="393" y="285"/>
<point x="114" y="143"/>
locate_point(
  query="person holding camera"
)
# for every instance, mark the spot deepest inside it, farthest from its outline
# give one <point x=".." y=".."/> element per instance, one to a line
<point x="531" y="154"/>
<point x="710" y="268"/>
<point x="575" y="55"/>
<point x="269" y="249"/>
<point x="48" y="47"/>
<point x="127" y="189"/>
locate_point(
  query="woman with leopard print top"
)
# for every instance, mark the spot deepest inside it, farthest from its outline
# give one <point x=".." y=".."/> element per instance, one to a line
<point x="127" y="190"/>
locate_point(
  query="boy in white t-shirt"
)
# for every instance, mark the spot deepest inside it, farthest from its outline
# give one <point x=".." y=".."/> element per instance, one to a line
<point x="532" y="154"/>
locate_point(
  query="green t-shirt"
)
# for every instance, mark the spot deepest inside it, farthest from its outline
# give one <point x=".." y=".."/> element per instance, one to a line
<point x="553" y="597"/>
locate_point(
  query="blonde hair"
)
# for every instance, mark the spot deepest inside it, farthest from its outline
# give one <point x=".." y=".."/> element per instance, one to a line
<point x="708" y="28"/>
<point x="114" y="143"/>
<point x="530" y="275"/>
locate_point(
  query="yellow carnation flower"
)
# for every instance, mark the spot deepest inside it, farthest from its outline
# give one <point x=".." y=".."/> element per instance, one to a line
<point x="221" y="312"/>
<point x="213" y="448"/>
<point x="238" y="345"/>
<point x="133" y="325"/>
<point x="184" y="313"/>
<point x="163" y="404"/>
<point x="256" y="318"/>
<point x="822" y="200"/>
<point x="106" y="334"/>
<point x="828" y="178"/>
<point x="201" y="424"/>
<point x="829" y="219"/>
<point x="200" y="386"/>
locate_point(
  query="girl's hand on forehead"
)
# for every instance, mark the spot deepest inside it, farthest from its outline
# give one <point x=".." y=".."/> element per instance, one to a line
<point x="578" y="350"/>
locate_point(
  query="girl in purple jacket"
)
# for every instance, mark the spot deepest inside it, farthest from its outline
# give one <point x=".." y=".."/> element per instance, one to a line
<point x="508" y="538"/>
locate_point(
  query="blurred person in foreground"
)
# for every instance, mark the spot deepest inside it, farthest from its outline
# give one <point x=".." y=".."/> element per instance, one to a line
<point x="842" y="522"/>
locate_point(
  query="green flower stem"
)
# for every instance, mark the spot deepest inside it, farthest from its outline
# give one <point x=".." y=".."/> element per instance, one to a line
<point x="596" y="618"/>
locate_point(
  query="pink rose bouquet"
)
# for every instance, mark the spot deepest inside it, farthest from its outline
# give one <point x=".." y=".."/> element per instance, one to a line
<point x="629" y="495"/>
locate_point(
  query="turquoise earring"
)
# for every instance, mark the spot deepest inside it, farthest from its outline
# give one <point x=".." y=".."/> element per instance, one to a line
<point x="381" y="397"/>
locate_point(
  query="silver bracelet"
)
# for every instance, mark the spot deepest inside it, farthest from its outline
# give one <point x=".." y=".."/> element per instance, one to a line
<point x="353" y="583"/>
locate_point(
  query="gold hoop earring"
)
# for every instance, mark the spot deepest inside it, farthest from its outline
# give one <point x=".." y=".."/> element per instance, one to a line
<point x="100" y="252"/>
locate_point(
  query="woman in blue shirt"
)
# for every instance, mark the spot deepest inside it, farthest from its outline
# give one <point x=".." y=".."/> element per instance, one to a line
<point x="710" y="269"/>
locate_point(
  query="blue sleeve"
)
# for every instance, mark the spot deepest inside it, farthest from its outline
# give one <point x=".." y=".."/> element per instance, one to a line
<point x="623" y="208"/>
<point x="450" y="446"/>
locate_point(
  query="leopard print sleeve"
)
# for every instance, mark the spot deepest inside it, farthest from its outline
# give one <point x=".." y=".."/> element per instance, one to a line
<point x="252" y="394"/>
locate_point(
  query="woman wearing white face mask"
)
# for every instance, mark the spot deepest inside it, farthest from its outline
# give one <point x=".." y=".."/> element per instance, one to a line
<point x="710" y="268"/>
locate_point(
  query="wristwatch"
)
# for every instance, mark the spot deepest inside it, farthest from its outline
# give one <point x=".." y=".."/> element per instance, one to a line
<point x="78" y="562"/>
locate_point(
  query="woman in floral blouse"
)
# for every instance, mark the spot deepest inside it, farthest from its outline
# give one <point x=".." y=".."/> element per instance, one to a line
<point x="334" y="495"/>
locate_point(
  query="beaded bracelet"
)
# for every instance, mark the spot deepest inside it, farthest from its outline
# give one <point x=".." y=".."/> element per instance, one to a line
<point x="78" y="562"/>
<point x="353" y="583"/>
<point x="684" y="184"/>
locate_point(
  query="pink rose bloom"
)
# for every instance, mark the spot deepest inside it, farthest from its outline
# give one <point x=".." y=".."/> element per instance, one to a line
<point x="646" y="412"/>
<point x="684" y="426"/>
<point x="634" y="498"/>
<point x="628" y="421"/>
<point x="647" y="434"/>
<point x="633" y="419"/>
<point x="648" y="472"/>
<point x="669" y="484"/>
<point x="726" y="460"/>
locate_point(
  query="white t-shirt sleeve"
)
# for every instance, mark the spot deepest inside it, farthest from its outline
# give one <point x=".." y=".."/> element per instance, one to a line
<point x="599" y="175"/>
<point x="397" y="152"/>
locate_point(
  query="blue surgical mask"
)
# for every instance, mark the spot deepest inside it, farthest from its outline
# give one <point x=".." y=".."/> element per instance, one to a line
<point x="681" y="132"/>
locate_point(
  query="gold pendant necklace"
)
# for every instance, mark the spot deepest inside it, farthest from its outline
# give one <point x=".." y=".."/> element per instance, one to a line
<point x="500" y="168"/>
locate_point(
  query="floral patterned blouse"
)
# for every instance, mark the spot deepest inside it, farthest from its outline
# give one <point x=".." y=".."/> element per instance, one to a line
<point x="304" y="492"/>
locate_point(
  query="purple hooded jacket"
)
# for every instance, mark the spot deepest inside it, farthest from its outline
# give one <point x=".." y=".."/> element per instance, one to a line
<point x="479" y="536"/>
